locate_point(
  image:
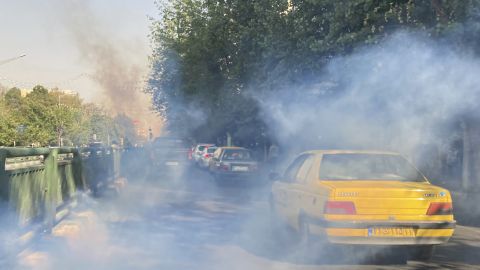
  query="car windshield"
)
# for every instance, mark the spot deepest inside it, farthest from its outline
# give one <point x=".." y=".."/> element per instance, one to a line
<point x="368" y="167"/>
<point x="237" y="154"/>
<point x="201" y="147"/>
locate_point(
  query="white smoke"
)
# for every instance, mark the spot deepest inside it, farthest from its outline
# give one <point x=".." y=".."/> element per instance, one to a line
<point x="394" y="95"/>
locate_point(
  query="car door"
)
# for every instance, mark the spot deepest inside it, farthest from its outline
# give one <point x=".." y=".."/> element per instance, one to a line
<point x="282" y="190"/>
<point x="300" y="194"/>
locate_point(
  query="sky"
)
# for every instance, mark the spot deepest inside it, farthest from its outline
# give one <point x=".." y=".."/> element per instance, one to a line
<point x="33" y="27"/>
<point x="59" y="38"/>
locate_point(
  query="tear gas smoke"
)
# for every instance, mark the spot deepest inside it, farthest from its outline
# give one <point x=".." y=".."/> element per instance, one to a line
<point x="117" y="66"/>
<point x="396" y="95"/>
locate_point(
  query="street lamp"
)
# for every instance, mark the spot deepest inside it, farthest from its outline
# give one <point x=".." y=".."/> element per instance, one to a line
<point x="12" y="59"/>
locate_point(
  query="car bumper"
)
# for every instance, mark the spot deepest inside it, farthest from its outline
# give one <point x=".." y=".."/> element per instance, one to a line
<point x="360" y="232"/>
<point x="236" y="175"/>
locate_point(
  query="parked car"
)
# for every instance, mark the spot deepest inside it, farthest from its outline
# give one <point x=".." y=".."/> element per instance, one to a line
<point x="190" y="152"/>
<point x="169" y="155"/>
<point x="362" y="198"/>
<point x="197" y="151"/>
<point x="206" y="156"/>
<point x="233" y="163"/>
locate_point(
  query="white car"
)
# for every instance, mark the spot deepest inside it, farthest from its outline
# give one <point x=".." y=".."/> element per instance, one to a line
<point x="206" y="156"/>
<point x="197" y="152"/>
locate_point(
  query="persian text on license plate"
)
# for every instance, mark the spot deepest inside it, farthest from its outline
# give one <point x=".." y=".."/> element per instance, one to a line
<point x="391" y="232"/>
<point x="171" y="163"/>
<point x="239" y="168"/>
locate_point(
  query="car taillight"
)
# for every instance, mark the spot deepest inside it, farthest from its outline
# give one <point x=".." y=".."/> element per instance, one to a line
<point x="440" y="208"/>
<point x="339" y="208"/>
<point x="224" y="167"/>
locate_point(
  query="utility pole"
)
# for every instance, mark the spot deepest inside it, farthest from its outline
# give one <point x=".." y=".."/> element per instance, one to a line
<point x="12" y="59"/>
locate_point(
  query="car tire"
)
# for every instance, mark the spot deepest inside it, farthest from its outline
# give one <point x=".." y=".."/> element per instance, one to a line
<point x="278" y="227"/>
<point x="304" y="234"/>
<point x="421" y="253"/>
<point x="308" y="248"/>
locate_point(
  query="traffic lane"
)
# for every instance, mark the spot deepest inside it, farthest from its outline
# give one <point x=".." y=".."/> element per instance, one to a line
<point x="462" y="250"/>
<point x="460" y="253"/>
<point x="191" y="223"/>
<point x="227" y="227"/>
<point x="248" y="236"/>
<point x="149" y="226"/>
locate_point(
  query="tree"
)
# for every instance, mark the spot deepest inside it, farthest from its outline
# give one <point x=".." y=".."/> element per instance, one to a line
<point x="55" y="117"/>
<point x="209" y="56"/>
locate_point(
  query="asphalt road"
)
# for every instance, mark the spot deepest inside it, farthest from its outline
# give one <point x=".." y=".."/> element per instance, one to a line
<point x="191" y="223"/>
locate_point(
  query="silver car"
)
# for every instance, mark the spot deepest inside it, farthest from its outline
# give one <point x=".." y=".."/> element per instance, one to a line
<point x="206" y="156"/>
<point x="197" y="151"/>
<point x="234" y="163"/>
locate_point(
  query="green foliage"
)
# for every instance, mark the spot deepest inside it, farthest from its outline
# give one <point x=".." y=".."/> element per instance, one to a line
<point x="209" y="55"/>
<point x="45" y="117"/>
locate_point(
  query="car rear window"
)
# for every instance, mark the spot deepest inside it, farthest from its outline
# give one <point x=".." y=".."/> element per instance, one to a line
<point x="201" y="147"/>
<point x="169" y="143"/>
<point x="210" y="150"/>
<point x="237" y="154"/>
<point x="368" y="167"/>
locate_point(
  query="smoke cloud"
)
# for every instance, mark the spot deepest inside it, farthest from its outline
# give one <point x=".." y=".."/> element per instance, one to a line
<point x="397" y="95"/>
<point x="117" y="64"/>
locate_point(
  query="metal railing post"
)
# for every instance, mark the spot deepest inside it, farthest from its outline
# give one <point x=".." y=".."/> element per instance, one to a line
<point x="51" y="187"/>
<point x="78" y="175"/>
<point x="3" y="176"/>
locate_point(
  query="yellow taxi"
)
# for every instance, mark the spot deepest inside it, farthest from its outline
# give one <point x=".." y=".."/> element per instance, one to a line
<point x="363" y="198"/>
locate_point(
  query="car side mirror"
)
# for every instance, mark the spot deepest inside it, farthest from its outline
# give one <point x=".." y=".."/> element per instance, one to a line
<point x="274" y="176"/>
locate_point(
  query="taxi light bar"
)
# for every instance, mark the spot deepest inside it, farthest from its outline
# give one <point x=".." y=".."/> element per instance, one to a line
<point x="439" y="208"/>
<point x="340" y="208"/>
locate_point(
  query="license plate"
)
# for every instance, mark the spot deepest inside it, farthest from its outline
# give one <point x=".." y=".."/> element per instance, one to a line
<point x="171" y="163"/>
<point x="239" y="168"/>
<point x="391" y="232"/>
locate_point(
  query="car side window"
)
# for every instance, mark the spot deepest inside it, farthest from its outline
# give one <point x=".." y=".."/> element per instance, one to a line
<point x="292" y="170"/>
<point x="304" y="169"/>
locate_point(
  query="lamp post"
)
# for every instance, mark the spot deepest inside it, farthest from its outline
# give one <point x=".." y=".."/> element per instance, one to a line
<point x="2" y="62"/>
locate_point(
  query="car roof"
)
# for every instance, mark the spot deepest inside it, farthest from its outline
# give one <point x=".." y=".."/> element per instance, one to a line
<point x="337" y="151"/>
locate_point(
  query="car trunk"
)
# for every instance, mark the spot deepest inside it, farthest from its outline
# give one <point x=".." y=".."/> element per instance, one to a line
<point x="387" y="198"/>
<point x="240" y="166"/>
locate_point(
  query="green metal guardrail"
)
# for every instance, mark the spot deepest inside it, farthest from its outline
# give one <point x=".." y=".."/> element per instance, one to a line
<point x="37" y="182"/>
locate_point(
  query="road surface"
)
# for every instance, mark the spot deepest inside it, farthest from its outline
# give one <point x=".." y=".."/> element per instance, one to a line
<point x="191" y="223"/>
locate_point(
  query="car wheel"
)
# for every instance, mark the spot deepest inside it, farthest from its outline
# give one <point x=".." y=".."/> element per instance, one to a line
<point x="304" y="234"/>
<point x="282" y="238"/>
<point x="308" y="250"/>
<point x="273" y="219"/>
<point x="275" y="222"/>
<point x="421" y="253"/>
